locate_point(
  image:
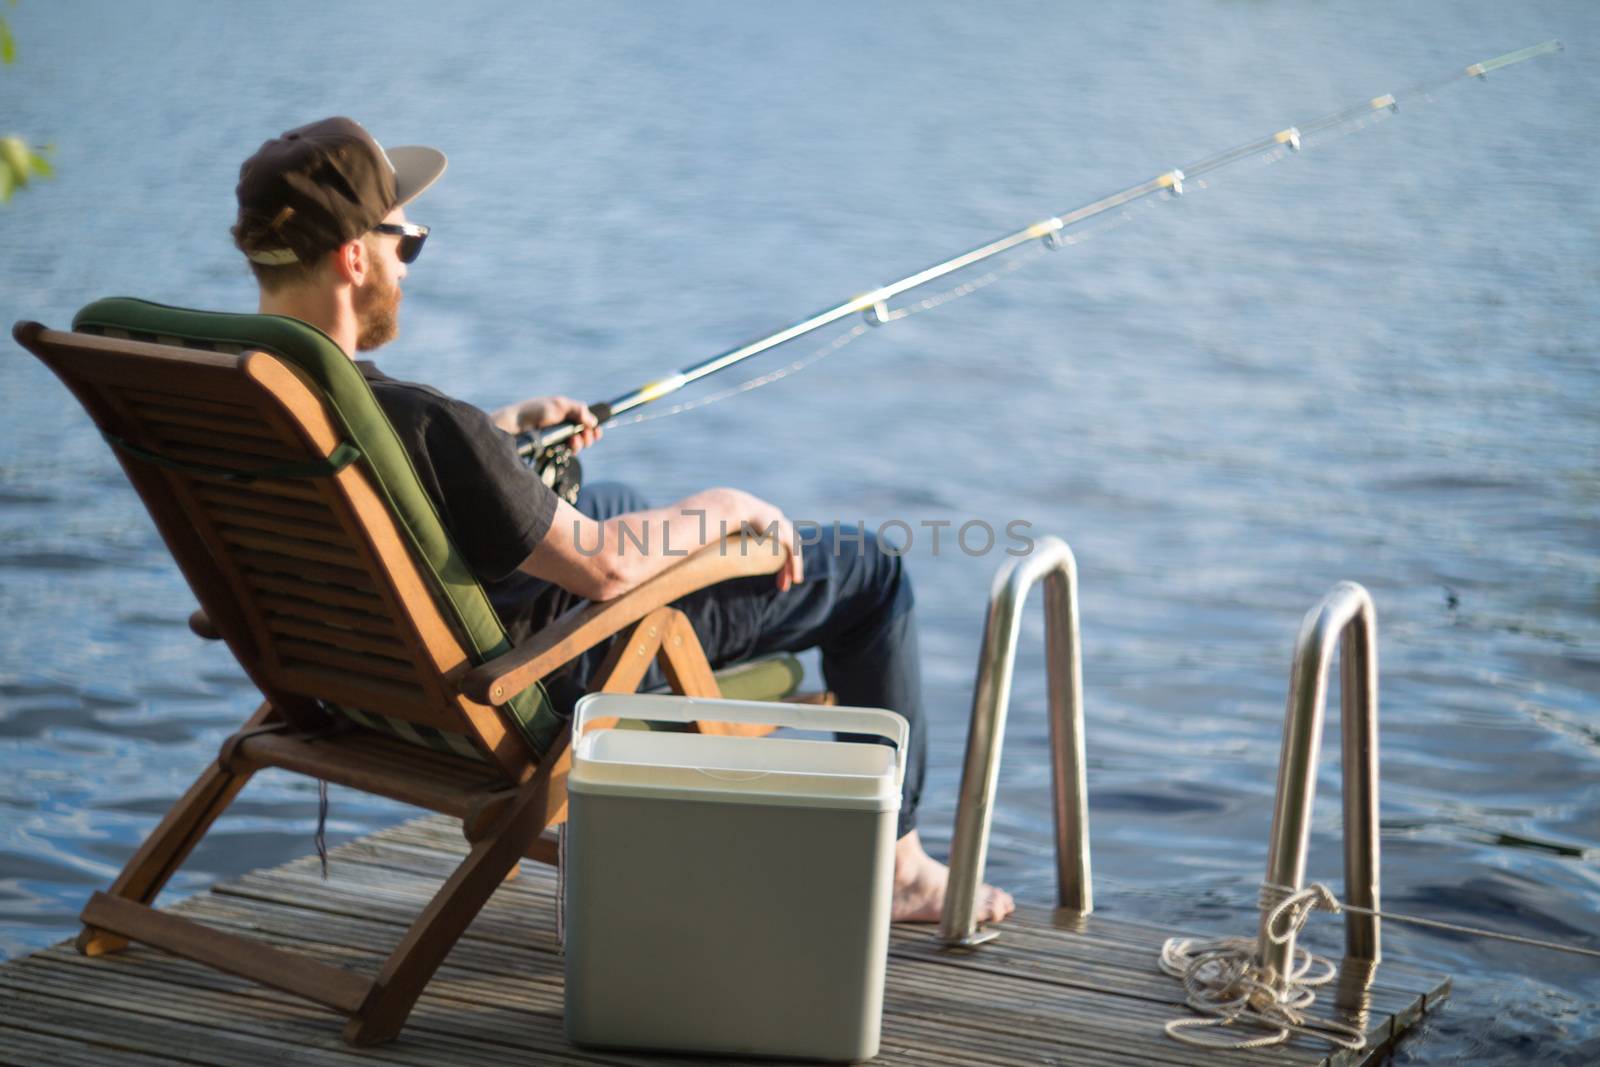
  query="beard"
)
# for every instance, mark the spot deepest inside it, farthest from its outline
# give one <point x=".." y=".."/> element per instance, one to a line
<point x="377" y="307"/>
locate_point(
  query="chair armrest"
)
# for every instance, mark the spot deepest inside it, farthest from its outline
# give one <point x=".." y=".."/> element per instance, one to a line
<point x="203" y="627"/>
<point x="579" y="630"/>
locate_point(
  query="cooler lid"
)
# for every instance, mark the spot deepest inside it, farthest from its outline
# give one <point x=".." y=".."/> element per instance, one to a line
<point x="749" y="770"/>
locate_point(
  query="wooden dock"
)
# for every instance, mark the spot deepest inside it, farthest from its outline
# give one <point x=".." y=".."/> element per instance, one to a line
<point x="1049" y="990"/>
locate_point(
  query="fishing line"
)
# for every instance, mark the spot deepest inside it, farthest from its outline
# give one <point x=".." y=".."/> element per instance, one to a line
<point x="545" y="448"/>
<point x="1016" y="261"/>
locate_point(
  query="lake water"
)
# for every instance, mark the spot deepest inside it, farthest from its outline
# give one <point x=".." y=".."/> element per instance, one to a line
<point x="1375" y="361"/>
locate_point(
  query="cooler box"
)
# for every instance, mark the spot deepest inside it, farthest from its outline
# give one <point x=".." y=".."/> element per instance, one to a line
<point x="730" y="894"/>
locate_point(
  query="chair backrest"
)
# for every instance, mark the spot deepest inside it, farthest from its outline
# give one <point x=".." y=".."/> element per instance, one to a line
<point x="295" y="514"/>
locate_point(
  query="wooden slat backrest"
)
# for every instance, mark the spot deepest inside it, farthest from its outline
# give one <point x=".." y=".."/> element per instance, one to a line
<point x="308" y="579"/>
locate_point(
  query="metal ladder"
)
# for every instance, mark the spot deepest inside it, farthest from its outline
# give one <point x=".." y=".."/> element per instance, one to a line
<point x="1345" y="616"/>
<point x="1052" y="562"/>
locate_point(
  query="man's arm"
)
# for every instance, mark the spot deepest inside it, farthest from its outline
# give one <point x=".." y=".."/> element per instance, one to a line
<point x="601" y="560"/>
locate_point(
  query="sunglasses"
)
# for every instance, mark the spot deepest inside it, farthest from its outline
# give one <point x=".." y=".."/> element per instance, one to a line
<point x="411" y="237"/>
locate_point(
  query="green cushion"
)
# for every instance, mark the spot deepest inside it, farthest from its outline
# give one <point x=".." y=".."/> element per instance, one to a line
<point x="772" y="678"/>
<point x="364" y="424"/>
<point x="769" y="678"/>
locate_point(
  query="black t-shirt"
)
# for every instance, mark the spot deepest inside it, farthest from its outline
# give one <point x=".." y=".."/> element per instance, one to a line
<point x="494" y="507"/>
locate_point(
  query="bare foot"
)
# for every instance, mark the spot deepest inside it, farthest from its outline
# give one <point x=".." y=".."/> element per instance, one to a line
<point x="919" y="885"/>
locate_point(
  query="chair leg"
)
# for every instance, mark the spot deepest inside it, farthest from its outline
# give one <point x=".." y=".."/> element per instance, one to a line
<point x="164" y="851"/>
<point x="632" y="653"/>
<point x="451" y="911"/>
<point x="683" y="661"/>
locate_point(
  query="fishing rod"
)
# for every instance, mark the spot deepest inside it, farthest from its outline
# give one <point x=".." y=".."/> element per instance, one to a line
<point x="545" y="448"/>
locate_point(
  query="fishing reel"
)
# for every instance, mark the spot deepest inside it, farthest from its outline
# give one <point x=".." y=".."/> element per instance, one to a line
<point x="556" y="465"/>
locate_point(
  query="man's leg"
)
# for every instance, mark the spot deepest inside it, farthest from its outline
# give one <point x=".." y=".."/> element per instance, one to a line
<point x="855" y="607"/>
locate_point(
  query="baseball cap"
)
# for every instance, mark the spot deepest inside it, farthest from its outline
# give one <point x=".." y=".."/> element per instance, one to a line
<point x="313" y="188"/>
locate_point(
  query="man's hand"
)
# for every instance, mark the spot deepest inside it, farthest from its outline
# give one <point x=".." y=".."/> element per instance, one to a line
<point x="763" y="518"/>
<point x="544" y="411"/>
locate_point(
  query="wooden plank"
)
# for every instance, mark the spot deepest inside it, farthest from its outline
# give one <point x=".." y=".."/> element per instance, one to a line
<point x="431" y="765"/>
<point x="1027" y="1007"/>
<point x="1103" y="963"/>
<point x="234" y="420"/>
<point x="24" y="1048"/>
<point x="515" y="966"/>
<point x="1165" y="992"/>
<point x="506" y="938"/>
<point x="294" y="566"/>
<point x="1134" y="944"/>
<point x="339" y="617"/>
<point x="928" y="1007"/>
<point x="358" y="666"/>
<point x="227" y="458"/>
<point x="363" y="600"/>
<point x="536" y="959"/>
<point x="236" y="1026"/>
<point x="281" y="526"/>
<point x="291" y="547"/>
<point x="497" y="927"/>
<point x="292" y="973"/>
<point x="234" y="495"/>
<point x="254" y="1026"/>
<point x="1054" y="988"/>
<point x="333" y="761"/>
<point x="528" y="996"/>
<point x="261" y="448"/>
<point x="339" y="687"/>
<point x="510" y="940"/>
<point x="359" y="642"/>
<point x="140" y="365"/>
<point x="301" y="490"/>
<point x="227" y="411"/>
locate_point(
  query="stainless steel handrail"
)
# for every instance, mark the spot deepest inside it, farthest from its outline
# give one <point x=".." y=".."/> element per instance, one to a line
<point x="1346" y="614"/>
<point x="1051" y="561"/>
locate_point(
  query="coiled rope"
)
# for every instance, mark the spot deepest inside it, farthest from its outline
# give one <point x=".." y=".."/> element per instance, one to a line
<point x="1223" y="980"/>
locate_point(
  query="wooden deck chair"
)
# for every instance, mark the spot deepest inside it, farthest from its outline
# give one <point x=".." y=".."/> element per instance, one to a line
<point x="292" y="510"/>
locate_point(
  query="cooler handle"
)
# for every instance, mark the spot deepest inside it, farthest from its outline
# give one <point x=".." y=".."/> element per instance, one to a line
<point x="666" y="708"/>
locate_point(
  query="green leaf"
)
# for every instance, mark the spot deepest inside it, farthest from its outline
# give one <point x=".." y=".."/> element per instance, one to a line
<point x="8" y="45"/>
<point x="6" y="185"/>
<point x="14" y="159"/>
<point x="41" y="165"/>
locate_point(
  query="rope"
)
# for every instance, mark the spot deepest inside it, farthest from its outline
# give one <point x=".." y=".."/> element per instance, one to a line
<point x="321" y="838"/>
<point x="1223" y="980"/>
<point x="1440" y="924"/>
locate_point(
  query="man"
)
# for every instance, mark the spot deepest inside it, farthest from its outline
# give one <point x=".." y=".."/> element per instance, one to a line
<point x="322" y="221"/>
